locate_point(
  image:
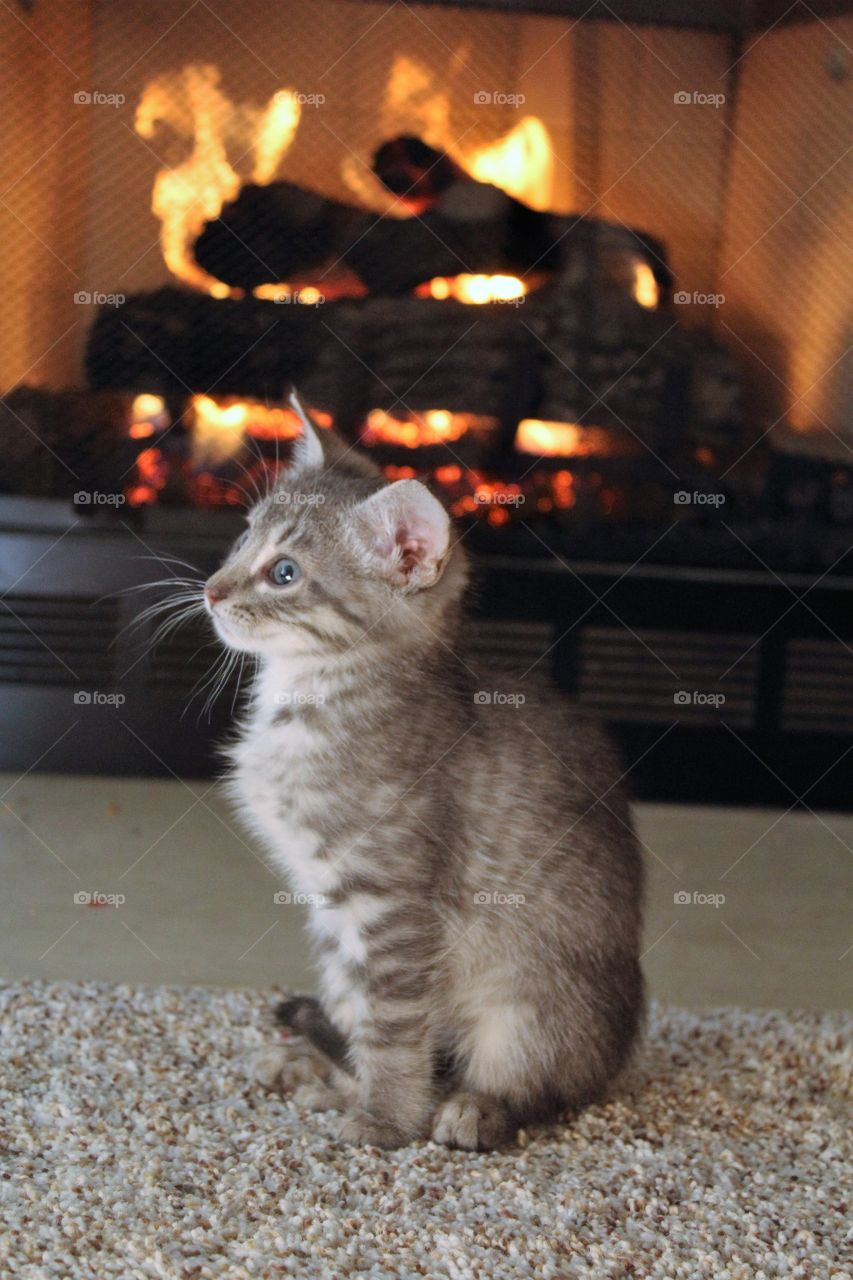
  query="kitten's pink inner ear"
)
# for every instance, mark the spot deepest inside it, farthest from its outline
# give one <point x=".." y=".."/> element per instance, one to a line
<point x="409" y="533"/>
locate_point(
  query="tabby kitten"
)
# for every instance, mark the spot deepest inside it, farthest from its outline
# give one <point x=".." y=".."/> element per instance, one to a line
<point x="463" y="837"/>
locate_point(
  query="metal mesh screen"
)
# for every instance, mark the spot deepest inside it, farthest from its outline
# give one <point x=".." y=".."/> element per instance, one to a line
<point x="746" y="193"/>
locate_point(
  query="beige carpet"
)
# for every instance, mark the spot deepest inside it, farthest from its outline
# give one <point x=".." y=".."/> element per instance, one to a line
<point x="134" y="1147"/>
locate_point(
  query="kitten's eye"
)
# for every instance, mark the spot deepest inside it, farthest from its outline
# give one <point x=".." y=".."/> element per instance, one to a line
<point x="283" y="573"/>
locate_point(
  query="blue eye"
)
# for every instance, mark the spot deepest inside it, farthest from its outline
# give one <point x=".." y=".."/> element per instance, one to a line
<point x="283" y="573"/>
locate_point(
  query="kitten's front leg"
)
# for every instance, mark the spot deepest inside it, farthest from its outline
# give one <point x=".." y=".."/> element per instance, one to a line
<point x="391" y="1042"/>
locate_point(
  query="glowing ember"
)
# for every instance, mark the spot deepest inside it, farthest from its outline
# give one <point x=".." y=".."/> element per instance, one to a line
<point x="430" y="427"/>
<point x="148" y="414"/>
<point x="186" y="196"/>
<point x="152" y="472"/>
<point x="473" y="289"/>
<point x="567" y="440"/>
<point x="221" y="426"/>
<point x="305" y="295"/>
<point x="548" y="439"/>
<point x="645" y="287"/>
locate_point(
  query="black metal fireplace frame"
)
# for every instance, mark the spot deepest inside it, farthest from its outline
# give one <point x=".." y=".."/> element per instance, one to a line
<point x="623" y="639"/>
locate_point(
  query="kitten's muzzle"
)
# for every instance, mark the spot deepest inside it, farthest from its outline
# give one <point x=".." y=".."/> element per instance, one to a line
<point x="214" y="595"/>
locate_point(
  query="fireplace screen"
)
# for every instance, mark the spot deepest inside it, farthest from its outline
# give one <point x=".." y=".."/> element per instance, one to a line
<point x="577" y="272"/>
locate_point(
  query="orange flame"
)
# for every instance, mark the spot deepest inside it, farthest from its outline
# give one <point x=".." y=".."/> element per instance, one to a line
<point x="221" y="426"/>
<point x="565" y="439"/>
<point x="432" y="426"/>
<point x="475" y="289"/>
<point x="645" y="287"/>
<point x="186" y="196"/>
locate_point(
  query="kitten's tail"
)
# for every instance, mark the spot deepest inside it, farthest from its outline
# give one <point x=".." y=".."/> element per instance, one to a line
<point x="304" y="1016"/>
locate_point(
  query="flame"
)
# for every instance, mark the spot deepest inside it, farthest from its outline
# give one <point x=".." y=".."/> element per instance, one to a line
<point x="521" y="163"/>
<point x="431" y="426"/>
<point x="148" y="413"/>
<point x="645" y="287"/>
<point x="186" y="196"/>
<point x="275" y="132"/>
<point x="220" y="427"/>
<point x="417" y="101"/>
<point x="475" y="289"/>
<point x="566" y="440"/>
<point x="548" y="439"/>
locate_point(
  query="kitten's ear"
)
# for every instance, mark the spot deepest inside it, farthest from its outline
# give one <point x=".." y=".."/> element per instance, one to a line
<point x="307" y="452"/>
<point x="407" y="534"/>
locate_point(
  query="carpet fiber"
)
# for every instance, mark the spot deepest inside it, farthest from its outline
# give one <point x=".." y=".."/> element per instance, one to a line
<point x="135" y="1147"/>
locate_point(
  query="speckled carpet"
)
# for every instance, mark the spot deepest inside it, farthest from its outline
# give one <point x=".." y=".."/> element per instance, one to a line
<point x="133" y="1146"/>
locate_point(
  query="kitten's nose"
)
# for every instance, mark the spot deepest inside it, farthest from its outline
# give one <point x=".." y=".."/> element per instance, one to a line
<point x="214" y="595"/>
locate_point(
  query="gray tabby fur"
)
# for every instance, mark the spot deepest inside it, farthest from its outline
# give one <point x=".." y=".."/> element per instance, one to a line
<point x="478" y="886"/>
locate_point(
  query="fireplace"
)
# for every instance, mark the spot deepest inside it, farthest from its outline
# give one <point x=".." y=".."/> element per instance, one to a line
<point x="580" y="270"/>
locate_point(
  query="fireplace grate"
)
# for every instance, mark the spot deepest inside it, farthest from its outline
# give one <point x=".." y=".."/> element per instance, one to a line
<point x="817" y="695"/>
<point x="56" y="641"/>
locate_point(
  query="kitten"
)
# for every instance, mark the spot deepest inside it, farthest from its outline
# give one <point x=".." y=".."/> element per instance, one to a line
<point x="464" y="837"/>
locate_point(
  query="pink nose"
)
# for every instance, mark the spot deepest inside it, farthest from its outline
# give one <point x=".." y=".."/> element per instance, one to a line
<point x="214" y="596"/>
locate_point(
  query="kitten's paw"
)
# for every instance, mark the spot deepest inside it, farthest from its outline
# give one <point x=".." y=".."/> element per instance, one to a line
<point x="472" y="1121"/>
<point x="369" y="1131"/>
<point x="319" y="1097"/>
<point x="284" y="1067"/>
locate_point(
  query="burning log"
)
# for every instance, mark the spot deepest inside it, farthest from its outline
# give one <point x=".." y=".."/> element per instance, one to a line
<point x="175" y="339"/>
<point x="276" y="233"/>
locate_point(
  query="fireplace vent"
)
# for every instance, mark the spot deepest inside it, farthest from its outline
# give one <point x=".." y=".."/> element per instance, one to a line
<point x="57" y="641"/>
<point x="651" y="675"/>
<point x="183" y="659"/>
<point x="514" y="642"/>
<point x="817" y="695"/>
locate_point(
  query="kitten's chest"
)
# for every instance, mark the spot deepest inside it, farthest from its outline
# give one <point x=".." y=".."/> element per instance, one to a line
<point x="281" y="781"/>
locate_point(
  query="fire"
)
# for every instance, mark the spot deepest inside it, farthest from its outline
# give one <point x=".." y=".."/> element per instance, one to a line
<point x="548" y="439"/>
<point x="186" y="196"/>
<point x="475" y="289"/>
<point x="191" y="104"/>
<point x="429" y="427"/>
<point x="417" y="101"/>
<point x="645" y="287"/>
<point x="220" y="427"/>
<point x="275" y="132"/>
<point x="521" y="163"/>
<point x="567" y="440"/>
<point x="148" y="413"/>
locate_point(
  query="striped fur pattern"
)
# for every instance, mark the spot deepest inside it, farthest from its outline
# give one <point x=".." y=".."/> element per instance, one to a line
<point x="475" y="885"/>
